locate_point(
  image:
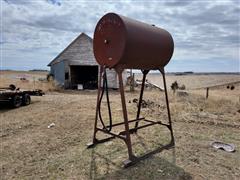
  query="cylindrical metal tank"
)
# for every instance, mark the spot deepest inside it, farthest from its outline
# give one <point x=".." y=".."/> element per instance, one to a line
<point x="121" y="41"/>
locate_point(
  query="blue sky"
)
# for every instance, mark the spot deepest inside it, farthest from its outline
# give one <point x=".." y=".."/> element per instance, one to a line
<point x="206" y="33"/>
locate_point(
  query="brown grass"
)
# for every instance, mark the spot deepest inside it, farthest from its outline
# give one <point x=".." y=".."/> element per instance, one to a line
<point x="193" y="81"/>
<point x="29" y="150"/>
<point x="32" y="80"/>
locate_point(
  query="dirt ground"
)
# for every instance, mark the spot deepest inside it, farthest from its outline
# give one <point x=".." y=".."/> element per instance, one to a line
<point x="31" y="150"/>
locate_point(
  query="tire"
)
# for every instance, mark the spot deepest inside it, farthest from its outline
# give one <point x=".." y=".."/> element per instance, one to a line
<point x="26" y="100"/>
<point x="12" y="87"/>
<point x="16" y="101"/>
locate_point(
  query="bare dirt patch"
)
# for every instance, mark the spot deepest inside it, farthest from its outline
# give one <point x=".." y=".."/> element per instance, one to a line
<point x="31" y="150"/>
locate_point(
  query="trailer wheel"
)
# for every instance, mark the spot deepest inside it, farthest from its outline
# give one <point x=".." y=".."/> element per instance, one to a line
<point x="16" y="101"/>
<point x="26" y="99"/>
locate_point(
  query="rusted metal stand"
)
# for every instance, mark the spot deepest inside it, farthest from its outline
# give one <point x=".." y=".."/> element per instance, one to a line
<point x="126" y="134"/>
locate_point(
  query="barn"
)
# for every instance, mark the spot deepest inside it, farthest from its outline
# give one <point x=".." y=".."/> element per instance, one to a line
<point x="76" y="66"/>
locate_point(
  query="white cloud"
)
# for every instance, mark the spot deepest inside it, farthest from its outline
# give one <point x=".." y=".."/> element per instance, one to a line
<point x="202" y="30"/>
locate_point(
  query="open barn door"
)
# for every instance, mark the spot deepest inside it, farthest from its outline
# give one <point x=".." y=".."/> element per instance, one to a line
<point x="87" y="76"/>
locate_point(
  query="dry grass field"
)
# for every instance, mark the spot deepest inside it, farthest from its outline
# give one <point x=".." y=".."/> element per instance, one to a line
<point x="31" y="150"/>
<point x="26" y="80"/>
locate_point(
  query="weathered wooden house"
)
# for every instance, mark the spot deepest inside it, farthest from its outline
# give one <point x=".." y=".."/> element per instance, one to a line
<point x="76" y="66"/>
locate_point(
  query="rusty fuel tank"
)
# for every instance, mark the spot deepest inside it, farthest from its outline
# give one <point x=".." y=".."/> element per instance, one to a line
<point x="121" y="41"/>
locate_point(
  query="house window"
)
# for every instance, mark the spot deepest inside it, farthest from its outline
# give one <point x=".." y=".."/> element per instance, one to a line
<point x="66" y="76"/>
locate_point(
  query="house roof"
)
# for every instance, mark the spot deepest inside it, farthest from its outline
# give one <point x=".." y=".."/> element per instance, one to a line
<point x="59" y="55"/>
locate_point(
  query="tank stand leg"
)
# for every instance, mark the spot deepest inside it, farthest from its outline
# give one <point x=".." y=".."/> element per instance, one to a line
<point x="95" y="141"/>
<point x="168" y="109"/>
<point x="145" y="72"/>
<point x="125" y="117"/>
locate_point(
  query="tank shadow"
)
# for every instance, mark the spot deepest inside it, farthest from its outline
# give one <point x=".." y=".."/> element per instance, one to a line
<point x="151" y="168"/>
<point x="104" y="166"/>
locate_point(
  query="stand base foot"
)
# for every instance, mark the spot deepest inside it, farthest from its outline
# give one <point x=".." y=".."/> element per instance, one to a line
<point x="90" y="145"/>
<point x="96" y="141"/>
<point x="128" y="163"/>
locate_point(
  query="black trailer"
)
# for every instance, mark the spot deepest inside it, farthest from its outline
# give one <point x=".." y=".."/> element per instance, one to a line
<point x="16" y="97"/>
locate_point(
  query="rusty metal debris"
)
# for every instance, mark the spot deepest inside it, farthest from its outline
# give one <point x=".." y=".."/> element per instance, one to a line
<point x="145" y="103"/>
<point x="149" y="85"/>
<point x="120" y="43"/>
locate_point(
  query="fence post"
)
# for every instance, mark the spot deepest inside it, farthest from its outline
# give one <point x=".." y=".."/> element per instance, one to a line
<point x="207" y="93"/>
